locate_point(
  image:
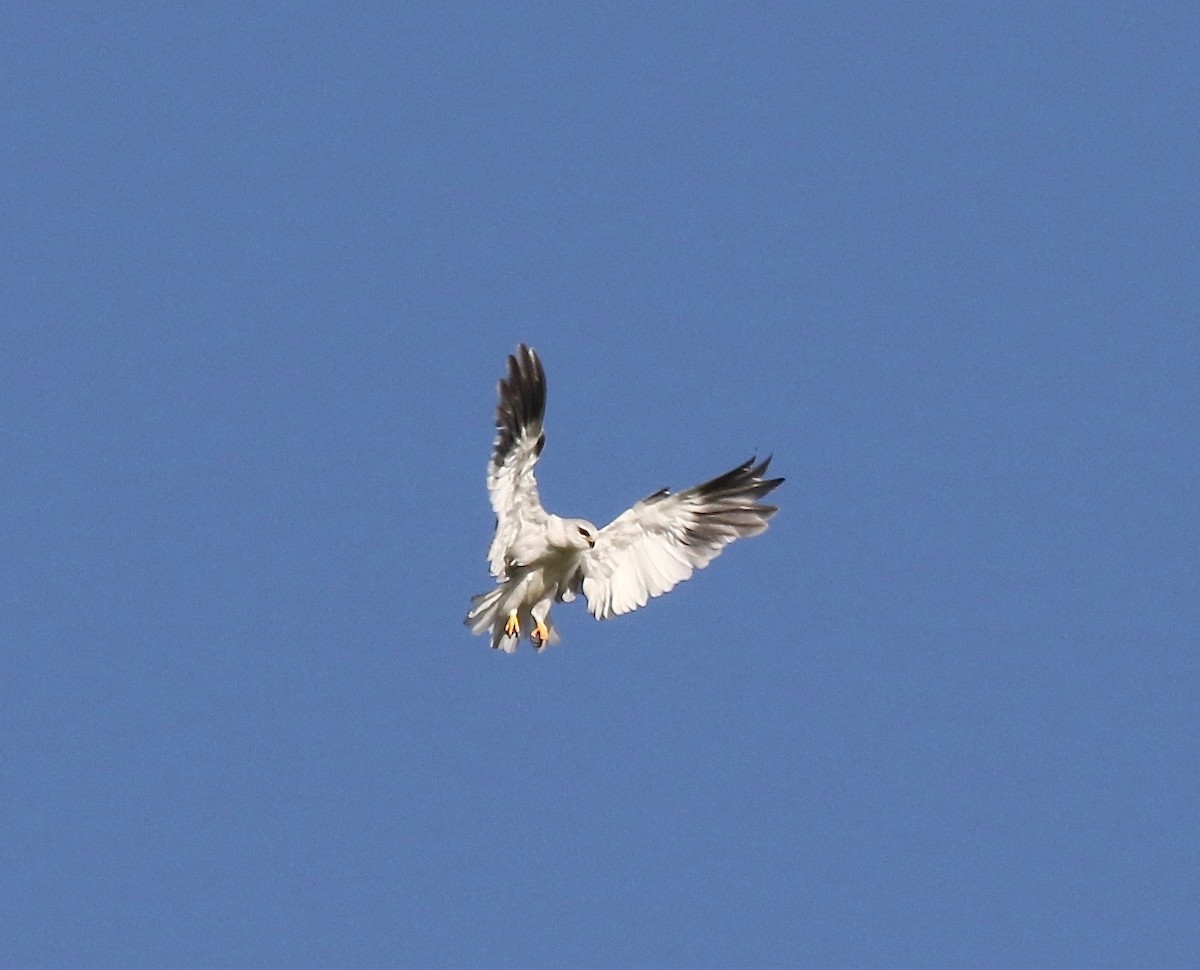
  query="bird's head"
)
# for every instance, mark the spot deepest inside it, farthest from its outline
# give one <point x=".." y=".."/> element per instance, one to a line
<point x="581" y="534"/>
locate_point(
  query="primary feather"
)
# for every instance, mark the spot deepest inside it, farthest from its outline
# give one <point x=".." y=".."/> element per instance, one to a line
<point x="519" y="440"/>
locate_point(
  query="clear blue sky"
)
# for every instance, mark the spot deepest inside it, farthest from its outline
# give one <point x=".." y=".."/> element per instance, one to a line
<point x="261" y="268"/>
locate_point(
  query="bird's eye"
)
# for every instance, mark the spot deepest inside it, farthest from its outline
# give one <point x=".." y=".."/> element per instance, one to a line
<point x="584" y="532"/>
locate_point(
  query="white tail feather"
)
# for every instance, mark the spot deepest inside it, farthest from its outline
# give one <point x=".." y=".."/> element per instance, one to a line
<point x="490" y="610"/>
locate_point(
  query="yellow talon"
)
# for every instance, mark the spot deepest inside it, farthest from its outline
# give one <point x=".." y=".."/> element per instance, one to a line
<point x="513" y="626"/>
<point x="541" y="632"/>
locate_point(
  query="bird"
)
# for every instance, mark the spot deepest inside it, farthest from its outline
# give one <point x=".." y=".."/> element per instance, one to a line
<point x="538" y="558"/>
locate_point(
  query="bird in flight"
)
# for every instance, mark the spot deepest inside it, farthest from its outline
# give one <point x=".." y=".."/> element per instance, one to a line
<point x="538" y="558"/>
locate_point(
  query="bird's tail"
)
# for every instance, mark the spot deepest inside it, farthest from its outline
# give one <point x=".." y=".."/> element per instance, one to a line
<point x="489" y="610"/>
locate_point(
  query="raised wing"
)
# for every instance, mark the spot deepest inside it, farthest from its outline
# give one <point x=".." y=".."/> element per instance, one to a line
<point x="519" y="440"/>
<point x="651" y="548"/>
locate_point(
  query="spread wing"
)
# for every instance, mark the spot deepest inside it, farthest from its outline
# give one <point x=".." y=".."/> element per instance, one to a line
<point x="519" y="440"/>
<point x="649" y="549"/>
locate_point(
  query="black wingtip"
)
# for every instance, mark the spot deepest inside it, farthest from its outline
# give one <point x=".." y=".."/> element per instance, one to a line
<point x="522" y="399"/>
<point x="746" y="479"/>
<point x="760" y="470"/>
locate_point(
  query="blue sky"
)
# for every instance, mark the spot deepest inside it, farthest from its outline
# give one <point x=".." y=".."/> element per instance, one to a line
<point x="263" y="266"/>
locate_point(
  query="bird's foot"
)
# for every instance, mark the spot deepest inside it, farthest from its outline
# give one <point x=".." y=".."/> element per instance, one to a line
<point x="541" y="633"/>
<point x="513" y="626"/>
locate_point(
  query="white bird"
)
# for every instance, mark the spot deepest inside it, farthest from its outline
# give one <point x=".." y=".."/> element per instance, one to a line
<point x="538" y="558"/>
